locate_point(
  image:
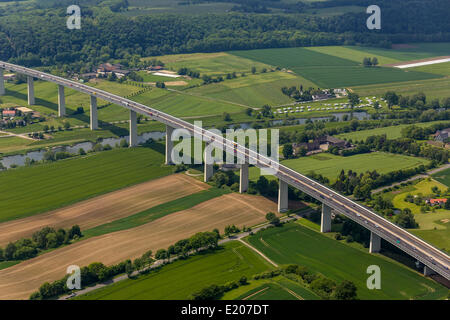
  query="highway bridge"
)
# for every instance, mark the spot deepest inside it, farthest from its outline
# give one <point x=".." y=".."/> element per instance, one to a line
<point x="434" y="260"/>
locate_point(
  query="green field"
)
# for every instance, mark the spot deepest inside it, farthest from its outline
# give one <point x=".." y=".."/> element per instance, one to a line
<point x="180" y="279"/>
<point x="415" y="51"/>
<point x="185" y="105"/>
<point x="330" y="71"/>
<point x="392" y="132"/>
<point x="352" y="53"/>
<point x="30" y="190"/>
<point x="293" y="243"/>
<point x="438" y="68"/>
<point x="220" y="63"/>
<point x="433" y="226"/>
<point x="254" y="90"/>
<point x="443" y="177"/>
<point x="330" y="165"/>
<point x="434" y="88"/>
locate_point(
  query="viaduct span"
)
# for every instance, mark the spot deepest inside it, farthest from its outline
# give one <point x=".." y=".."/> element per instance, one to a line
<point x="434" y="260"/>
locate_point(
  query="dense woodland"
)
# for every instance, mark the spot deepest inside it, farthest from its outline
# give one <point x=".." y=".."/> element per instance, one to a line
<point x="36" y="34"/>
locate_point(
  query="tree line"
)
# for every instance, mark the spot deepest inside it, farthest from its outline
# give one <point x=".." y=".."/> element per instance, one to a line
<point x="44" y="239"/>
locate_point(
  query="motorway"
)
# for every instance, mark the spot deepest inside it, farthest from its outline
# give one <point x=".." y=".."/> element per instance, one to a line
<point x="430" y="256"/>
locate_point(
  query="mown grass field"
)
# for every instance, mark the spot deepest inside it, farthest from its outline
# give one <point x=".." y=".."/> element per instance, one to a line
<point x="30" y="190"/>
<point x="185" y="105"/>
<point x="330" y="165"/>
<point x="293" y="243"/>
<point x="330" y="71"/>
<point x="392" y="132"/>
<point x="254" y="90"/>
<point x="182" y="278"/>
<point x="220" y="63"/>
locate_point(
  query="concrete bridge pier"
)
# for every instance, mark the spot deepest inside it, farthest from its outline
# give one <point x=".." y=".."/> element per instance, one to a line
<point x="61" y="101"/>
<point x="30" y="83"/>
<point x="94" y="114"/>
<point x="375" y="243"/>
<point x="133" y="129"/>
<point x="243" y="179"/>
<point x="325" y="223"/>
<point x="427" y="271"/>
<point x="283" y="196"/>
<point x="208" y="164"/>
<point x="2" y="83"/>
<point x="169" y="145"/>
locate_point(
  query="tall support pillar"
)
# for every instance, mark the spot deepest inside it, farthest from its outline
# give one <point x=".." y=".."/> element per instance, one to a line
<point x="243" y="180"/>
<point x="2" y="83"/>
<point x="209" y="167"/>
<point x="428" y="272"/>
<point x="283" y="199"/>
<point x="325" y="223"/>
<point x="169" y="145"/>
<point x="375" y="243"/>
<point x="30" y="82"/>
<point x="133" y="129"/>
<point x="61" y="101"/>
<point x="94" y="114"/>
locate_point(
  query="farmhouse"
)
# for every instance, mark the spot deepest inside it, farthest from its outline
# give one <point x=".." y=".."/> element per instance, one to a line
<point x="442" y="135"/>
<point x="108" y="68"/>
<point x="321" y="144"/>
<point x="9" y="113"/>
<point x="435" y="202"/>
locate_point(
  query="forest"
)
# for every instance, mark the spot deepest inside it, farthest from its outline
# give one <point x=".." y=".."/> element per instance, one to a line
<point x="36" y="34"/>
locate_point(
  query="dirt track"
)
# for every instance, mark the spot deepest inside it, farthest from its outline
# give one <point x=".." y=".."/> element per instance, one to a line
<point x="105" y="208"/>
<point x="19" y="281"/>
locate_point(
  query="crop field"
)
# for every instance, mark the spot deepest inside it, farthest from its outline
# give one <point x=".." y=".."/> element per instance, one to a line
<point x="26" y="191"/>
<point x="335" y="77"/>
<point x="220" y="63"/>
<point x="434" y="88"/>
<point x="182" y="278"/>
<point x="185" y="105"/>
<point x="433" y="226"/>
<point x="392" y="132"/>
<point x="105" y="208"/>
<point x="118" y="246"/>
<point x="254" y="90"/>
<point x="414" y="51"/>
<point x="439" y="68"/>
<point x="330" y="165"/>
<point x="355" y="54"/>
<point x="293" y="243"/>
<point x="330" y="71"/>
<point x="278" y="288"/>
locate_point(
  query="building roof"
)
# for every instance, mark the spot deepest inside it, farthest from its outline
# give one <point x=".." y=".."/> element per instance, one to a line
<point x="438" y="201"/>
<point x="9" y="112"/>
